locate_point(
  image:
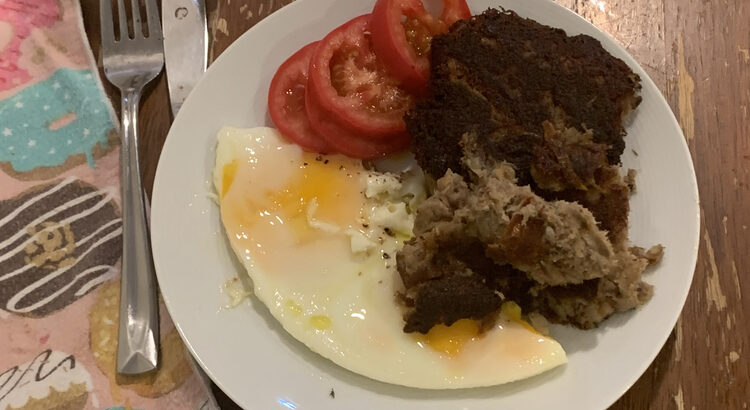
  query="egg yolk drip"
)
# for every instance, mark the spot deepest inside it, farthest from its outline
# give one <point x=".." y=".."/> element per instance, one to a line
<point x="451" y="340"/>
<point x="328" y="185"/>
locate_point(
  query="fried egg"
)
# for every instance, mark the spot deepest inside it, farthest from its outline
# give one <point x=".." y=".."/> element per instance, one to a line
<point x="318" y="236"/>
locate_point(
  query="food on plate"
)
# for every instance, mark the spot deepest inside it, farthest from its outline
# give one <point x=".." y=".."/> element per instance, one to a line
<point x="441" y="269"/>
<point x="478" y="244"/>
<point x="501" y="76"/>
<point x="286" y="101"/>
<point x="349" y="83"/>
<point x="569" y="166"/>
<point x="401" y="34"/>
<point x="524" y="131"/>
<point x="348" y="92"/>
<point x="351" y="143"/>
<point x="319" y="237"/>
<point x="335" y="95"/>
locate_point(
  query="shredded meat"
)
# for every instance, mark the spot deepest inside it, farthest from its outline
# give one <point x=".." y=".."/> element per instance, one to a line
<point x="523" y="131"/>
<point x="569" y="166"/>
<point x="478" y="244"/>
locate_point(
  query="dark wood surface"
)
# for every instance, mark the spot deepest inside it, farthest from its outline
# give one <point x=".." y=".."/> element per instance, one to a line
<point x="698" y="53"/>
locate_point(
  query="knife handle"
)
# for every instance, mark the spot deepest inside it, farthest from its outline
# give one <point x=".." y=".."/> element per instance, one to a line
<point x="137" y="348"/>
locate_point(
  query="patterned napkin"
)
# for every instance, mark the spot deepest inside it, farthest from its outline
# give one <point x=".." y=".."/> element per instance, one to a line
<point x="60" y="229"/>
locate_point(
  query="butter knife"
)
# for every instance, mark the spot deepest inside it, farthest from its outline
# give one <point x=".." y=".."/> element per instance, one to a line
<point x="185" y="57"/>
<point x="185" y="46"/>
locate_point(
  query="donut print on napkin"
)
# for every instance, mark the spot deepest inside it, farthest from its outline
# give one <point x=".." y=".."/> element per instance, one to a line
<point x="54" y="114"/>
<point x="54" y="125"/>
<point x="18" y="20"/>
<point x="51" y="380"/>
<point x="58" y="241"/>
<point x="61" y="229"/>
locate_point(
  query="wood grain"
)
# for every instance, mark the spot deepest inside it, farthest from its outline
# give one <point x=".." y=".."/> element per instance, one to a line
<point x="698" y="54"/>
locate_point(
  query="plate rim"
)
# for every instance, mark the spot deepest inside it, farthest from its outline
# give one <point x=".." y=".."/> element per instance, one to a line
<point x="625" y="55"/>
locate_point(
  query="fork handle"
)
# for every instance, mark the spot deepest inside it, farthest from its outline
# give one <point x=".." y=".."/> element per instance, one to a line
<point x="139" y="313"/>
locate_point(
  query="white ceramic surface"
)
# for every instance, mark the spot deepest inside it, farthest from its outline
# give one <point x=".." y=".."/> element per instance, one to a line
<point x="247" y="353"/>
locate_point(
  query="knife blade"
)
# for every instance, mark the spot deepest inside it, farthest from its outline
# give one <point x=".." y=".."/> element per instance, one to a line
<point x="185" y="46"/>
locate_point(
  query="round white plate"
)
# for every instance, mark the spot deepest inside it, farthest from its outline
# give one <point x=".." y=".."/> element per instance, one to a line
<point x="248" y="354"/>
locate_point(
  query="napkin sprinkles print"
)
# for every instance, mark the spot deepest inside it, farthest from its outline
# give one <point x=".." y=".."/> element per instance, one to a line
<point x="61" y="229"/>
<point x="53" y="115"/>
<point x="54" y="125"/>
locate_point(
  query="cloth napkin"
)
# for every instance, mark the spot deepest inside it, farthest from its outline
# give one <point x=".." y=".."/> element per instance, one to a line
<point x="60" y="229"/>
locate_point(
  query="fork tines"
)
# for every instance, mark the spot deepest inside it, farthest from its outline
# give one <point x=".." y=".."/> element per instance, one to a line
<point x="107" y="20"/>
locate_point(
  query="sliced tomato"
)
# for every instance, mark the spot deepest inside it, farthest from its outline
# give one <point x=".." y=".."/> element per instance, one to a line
<point x="347" y="81"/>
<point x="454" y="10"/>
<point x="401" y="34"/>
<point x="349" y="142"/>
<point x="286" y="101"/>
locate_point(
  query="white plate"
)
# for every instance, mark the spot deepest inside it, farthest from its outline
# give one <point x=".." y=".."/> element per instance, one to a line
<point x="247" y="353"/>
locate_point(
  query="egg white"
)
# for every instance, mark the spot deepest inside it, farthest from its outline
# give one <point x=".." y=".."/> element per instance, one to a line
<point x="340" y="303"/>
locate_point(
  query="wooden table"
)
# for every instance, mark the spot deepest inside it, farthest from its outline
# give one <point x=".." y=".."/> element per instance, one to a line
<point x="698" y="53"/>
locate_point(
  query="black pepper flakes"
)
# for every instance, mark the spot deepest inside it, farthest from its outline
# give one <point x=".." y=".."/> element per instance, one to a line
<point x="304" y="163"/>
<point x="386" y="256"/>
<point x="388" y="231"/>
<point x="332" y="394"/>
<point x="365" y="225"/>
<point x="325" y="162"/>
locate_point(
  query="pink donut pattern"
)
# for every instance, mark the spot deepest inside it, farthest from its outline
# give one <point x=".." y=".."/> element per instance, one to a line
<point x="22" y="16"/>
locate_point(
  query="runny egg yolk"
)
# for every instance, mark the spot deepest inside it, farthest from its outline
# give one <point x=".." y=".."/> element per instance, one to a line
<point x="451" y="339"/>
<point x="330" y="184"/>
<point x="327" y="184"/>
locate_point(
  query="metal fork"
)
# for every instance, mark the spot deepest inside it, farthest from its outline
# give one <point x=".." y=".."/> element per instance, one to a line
<point x="130" y="64"/>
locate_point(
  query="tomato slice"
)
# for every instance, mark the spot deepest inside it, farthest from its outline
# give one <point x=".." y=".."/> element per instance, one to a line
<point x="347" y="81"/>
<point x="286" y="101"/>
<point x="454" y="10"/>
<point x="347" y="141"/>
<point x="401" y="35"/>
